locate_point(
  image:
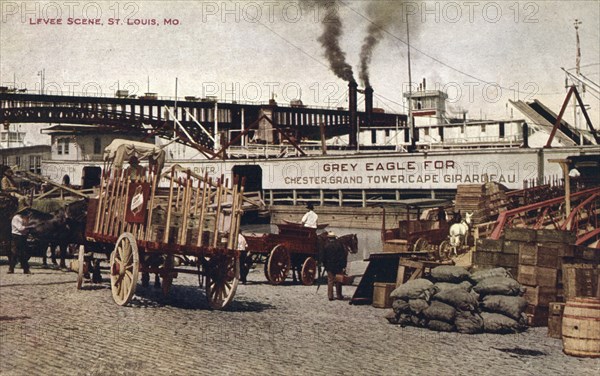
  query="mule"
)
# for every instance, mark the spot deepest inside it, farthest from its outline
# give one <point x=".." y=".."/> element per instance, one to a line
<point x="458" y="231"/>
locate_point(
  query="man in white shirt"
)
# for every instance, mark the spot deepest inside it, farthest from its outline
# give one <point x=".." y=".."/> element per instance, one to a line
<point x="19" y="229"/>
<point x="310" y="218"/>
<point x="245" y="260"/>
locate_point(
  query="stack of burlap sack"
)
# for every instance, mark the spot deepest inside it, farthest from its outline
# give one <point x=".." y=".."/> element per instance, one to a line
<point x="455" y="300"/>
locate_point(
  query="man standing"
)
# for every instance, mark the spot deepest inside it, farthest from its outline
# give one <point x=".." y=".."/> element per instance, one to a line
<point x="19" y="252"/>
<point x="310" y="218"/>
<point x="245" y="262"/>
<point x="334" y="260"/>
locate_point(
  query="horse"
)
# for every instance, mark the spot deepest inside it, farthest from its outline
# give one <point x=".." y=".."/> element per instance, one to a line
<point x="458" y="231"/>
<point x="60" y="228"/>
<point x="348" y="241"/>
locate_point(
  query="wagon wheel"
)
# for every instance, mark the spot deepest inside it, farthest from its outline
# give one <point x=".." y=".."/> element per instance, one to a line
<point x="309" y="271"/>
<point x="124" y="268"/>
<point x="420" y="245"/>
<point x="278" y="265"/>
<point x="222" y="278"/>
<point x="81" y="267"/>
<point x="444" y="250"/>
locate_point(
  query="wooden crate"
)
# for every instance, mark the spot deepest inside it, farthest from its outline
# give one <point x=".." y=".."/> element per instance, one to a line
<point x="511" y="246"/>
<point x="489" y="245"/>
<point x="536" y="315"/>
<point x="555" y="326"/>
<point x="381" y="294"/>
<point x="580" y="280"/>
<point x="520" y="234"/>
<point x="555" y="236"/>
<point x="536" y="255"/>
<point x="537" y="276"/>
<point x="507" y="260"/>
<point x="395" y="246"/>
<point x="540" y="295"/>
<point x="487" y="258"/>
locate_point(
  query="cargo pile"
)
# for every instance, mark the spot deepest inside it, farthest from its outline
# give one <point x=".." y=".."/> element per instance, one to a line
<point x="453" y="299"/>
<point x="485" y="201"/>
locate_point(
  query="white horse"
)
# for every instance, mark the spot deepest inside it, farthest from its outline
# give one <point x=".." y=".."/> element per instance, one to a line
<point x="458" y="231"/>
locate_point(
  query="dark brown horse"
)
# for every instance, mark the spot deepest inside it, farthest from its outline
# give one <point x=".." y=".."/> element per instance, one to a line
<point x="59" y="228"/>
<point x="348" y="241"/>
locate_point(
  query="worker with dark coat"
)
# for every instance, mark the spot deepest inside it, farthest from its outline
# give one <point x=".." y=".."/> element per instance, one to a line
<point x="335" y="258"/>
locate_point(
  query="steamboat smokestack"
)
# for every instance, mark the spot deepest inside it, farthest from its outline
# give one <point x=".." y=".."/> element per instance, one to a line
<point x="352" y="104"/>
<point x="369" y="106"/>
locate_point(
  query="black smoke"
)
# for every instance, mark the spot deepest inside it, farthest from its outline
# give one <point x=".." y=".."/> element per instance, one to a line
<point x="330" y="38"/>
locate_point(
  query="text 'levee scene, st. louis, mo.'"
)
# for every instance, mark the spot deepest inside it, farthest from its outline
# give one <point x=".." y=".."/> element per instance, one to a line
<point x="389" y="187"/>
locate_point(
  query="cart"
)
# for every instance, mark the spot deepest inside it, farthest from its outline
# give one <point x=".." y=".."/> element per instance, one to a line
<point x="423" y="230"/>
<point x="195" y="219"/>
<point x="294" y="246"/>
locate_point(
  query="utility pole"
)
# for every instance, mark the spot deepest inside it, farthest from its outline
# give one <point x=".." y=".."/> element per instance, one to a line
<point x="411" y="123"/>
<point x="577" y="73"/>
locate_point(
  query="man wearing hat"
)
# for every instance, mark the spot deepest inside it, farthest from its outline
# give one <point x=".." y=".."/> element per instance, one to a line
<point x="334" y="259"/>
<point x="20" y="229"/>
<point x="310" y="218"/>
<point x="8" y="184"/>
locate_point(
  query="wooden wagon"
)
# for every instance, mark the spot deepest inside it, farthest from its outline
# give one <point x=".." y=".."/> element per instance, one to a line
<point x="294" y="245"/>
<point x="423" y="230"/>
<point x="195" y="219"/>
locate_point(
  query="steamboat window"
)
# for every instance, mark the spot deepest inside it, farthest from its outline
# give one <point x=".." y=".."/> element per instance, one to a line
<point x="62" y="146"/>
<point x="35" y="164"/>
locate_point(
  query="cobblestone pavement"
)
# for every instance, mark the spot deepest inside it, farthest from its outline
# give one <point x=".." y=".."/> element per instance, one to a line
<point x="48" y="327"/>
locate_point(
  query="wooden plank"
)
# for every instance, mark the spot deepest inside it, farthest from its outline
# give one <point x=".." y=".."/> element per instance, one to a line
<point x="401" y="275"/>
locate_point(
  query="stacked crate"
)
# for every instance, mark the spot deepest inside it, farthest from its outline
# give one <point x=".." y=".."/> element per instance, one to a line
<point x="485" y="201"/>
<point x="491" y="253"/>
<point x="540" y="261"/>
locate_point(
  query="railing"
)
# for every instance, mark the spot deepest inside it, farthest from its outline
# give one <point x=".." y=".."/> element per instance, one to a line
<point x="182" y="99"/>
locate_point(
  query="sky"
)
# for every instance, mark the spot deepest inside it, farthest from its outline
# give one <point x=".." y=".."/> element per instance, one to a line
<point x="482" y="53"/>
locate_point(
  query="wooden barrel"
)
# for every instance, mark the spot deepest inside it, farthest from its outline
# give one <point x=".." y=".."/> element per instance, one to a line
<point x="581" y="327"/>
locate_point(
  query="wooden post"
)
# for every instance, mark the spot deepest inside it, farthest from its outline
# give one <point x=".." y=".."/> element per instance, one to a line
<point x="239" y="212"/>
<point x="112" y="198"/>
<point x="205" y="201"/>
<point x="217" y="211"/>
<point x="564" y="164"/>
<point x="169" y="203"/>
<point x="197" y="197"/>
<point x="186" y="208"/>
<point x="151" y="203"/>
<point x="233" y="219"/>
<point x="100" y="201"/>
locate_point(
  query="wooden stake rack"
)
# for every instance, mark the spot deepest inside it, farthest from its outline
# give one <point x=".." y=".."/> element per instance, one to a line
<point x="195" y="215"/>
